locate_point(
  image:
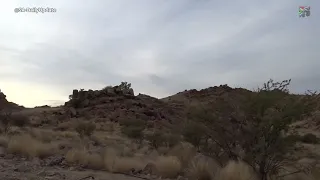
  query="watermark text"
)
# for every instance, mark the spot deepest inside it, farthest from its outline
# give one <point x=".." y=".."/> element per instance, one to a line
<point x="35" y="10"/>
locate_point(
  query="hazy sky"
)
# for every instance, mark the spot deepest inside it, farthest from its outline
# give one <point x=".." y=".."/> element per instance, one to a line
<point x="160" y="46"/>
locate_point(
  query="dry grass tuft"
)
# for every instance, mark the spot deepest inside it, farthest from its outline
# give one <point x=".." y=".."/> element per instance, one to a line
<point x="68" y="134"/>
<point x="83" y="157"/>
<point x="64" y="126"/>
<point x="201" y="169"/>
<point x="185" y="152"/>
<point x="168" y="166"/>
<point x="45" y="136"/>
<point x="236" y="171"/>
<point x="126" y="164"/>
<point x="26" y="145"/>
<point x="4" y="141"/>
<point x="114" y="163"/>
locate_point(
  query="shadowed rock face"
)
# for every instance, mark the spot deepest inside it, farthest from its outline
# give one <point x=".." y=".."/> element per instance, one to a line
<point x="5" y="104"/>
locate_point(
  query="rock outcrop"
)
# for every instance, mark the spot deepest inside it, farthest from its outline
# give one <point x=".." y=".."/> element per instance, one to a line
<point x="116" y="103"/>
<point x="5" y="104"/>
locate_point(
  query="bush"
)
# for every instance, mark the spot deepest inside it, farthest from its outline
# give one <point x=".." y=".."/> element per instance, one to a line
<point x="156" y="139"/>
<point x="310" y="138"/>
<point x="85" y="128"/>
<point x="7" y="119"/>
<point x="194" y="133"/>
<point x="133" y="128"/>
<point x="125" y="86"/>
<point x="253" y="131"/>
<point x="134" y="132"/>
<point x="19" y="120"/>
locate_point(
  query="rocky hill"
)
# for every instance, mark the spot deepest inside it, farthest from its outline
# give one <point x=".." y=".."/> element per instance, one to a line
<point x="115" y="103"/>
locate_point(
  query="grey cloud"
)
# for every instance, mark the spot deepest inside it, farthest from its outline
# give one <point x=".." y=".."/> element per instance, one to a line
<point x="163" y="47"/>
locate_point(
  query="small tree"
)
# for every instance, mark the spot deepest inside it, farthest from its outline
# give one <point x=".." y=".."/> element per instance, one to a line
<point x="258" y="127"/>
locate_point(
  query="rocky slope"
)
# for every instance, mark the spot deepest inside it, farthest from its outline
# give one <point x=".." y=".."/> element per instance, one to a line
<point x="5" y="104"/>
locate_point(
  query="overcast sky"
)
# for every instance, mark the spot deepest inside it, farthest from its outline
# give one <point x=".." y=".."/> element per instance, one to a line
<point x="161" y="46"/>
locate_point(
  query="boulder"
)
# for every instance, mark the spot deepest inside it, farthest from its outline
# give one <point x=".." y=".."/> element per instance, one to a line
<point x="75" y="94"/>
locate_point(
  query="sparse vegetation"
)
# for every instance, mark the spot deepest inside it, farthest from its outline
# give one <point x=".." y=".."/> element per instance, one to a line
<point x="194" y="133"/>
<point x="168" y="166"/>
<point x="200" y="169"/>
<point x="134" y="132"/>
<point x="19" y="120"/>
<point x="85" y="128"/>
<point x="133" y="128"/>
<point x="30" y="147"/>
<point x="8" y="119"/>
<point x="155" y="138"/>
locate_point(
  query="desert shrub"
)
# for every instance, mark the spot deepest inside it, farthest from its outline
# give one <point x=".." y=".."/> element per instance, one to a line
<point x="107" y="87"/>
<point x="85" y="128"/>
<point x="235" y="170"/>
<point x="156" y="139"/>
<point x="168" y="166"/>
<point x="310" y="138"/>
<point x="184" y="151"/>
<point x="114" y="163"/>
<point x="201" y="169"/>
<point x="134" y="132"/>
<point x="19" y="120"/>
<point x="83" y="157"/>
<point x="133" y="128"/>
<point x="253" y="131"/>
<point x="194" y="133"/>
<point x="7" y="119"/>
<point x="125" y="86"/>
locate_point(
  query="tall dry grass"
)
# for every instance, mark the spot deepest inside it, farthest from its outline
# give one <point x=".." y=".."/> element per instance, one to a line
<point x="201" y="168"/>
<point x="30" y="147"/>
<point x="168" y="166"/>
